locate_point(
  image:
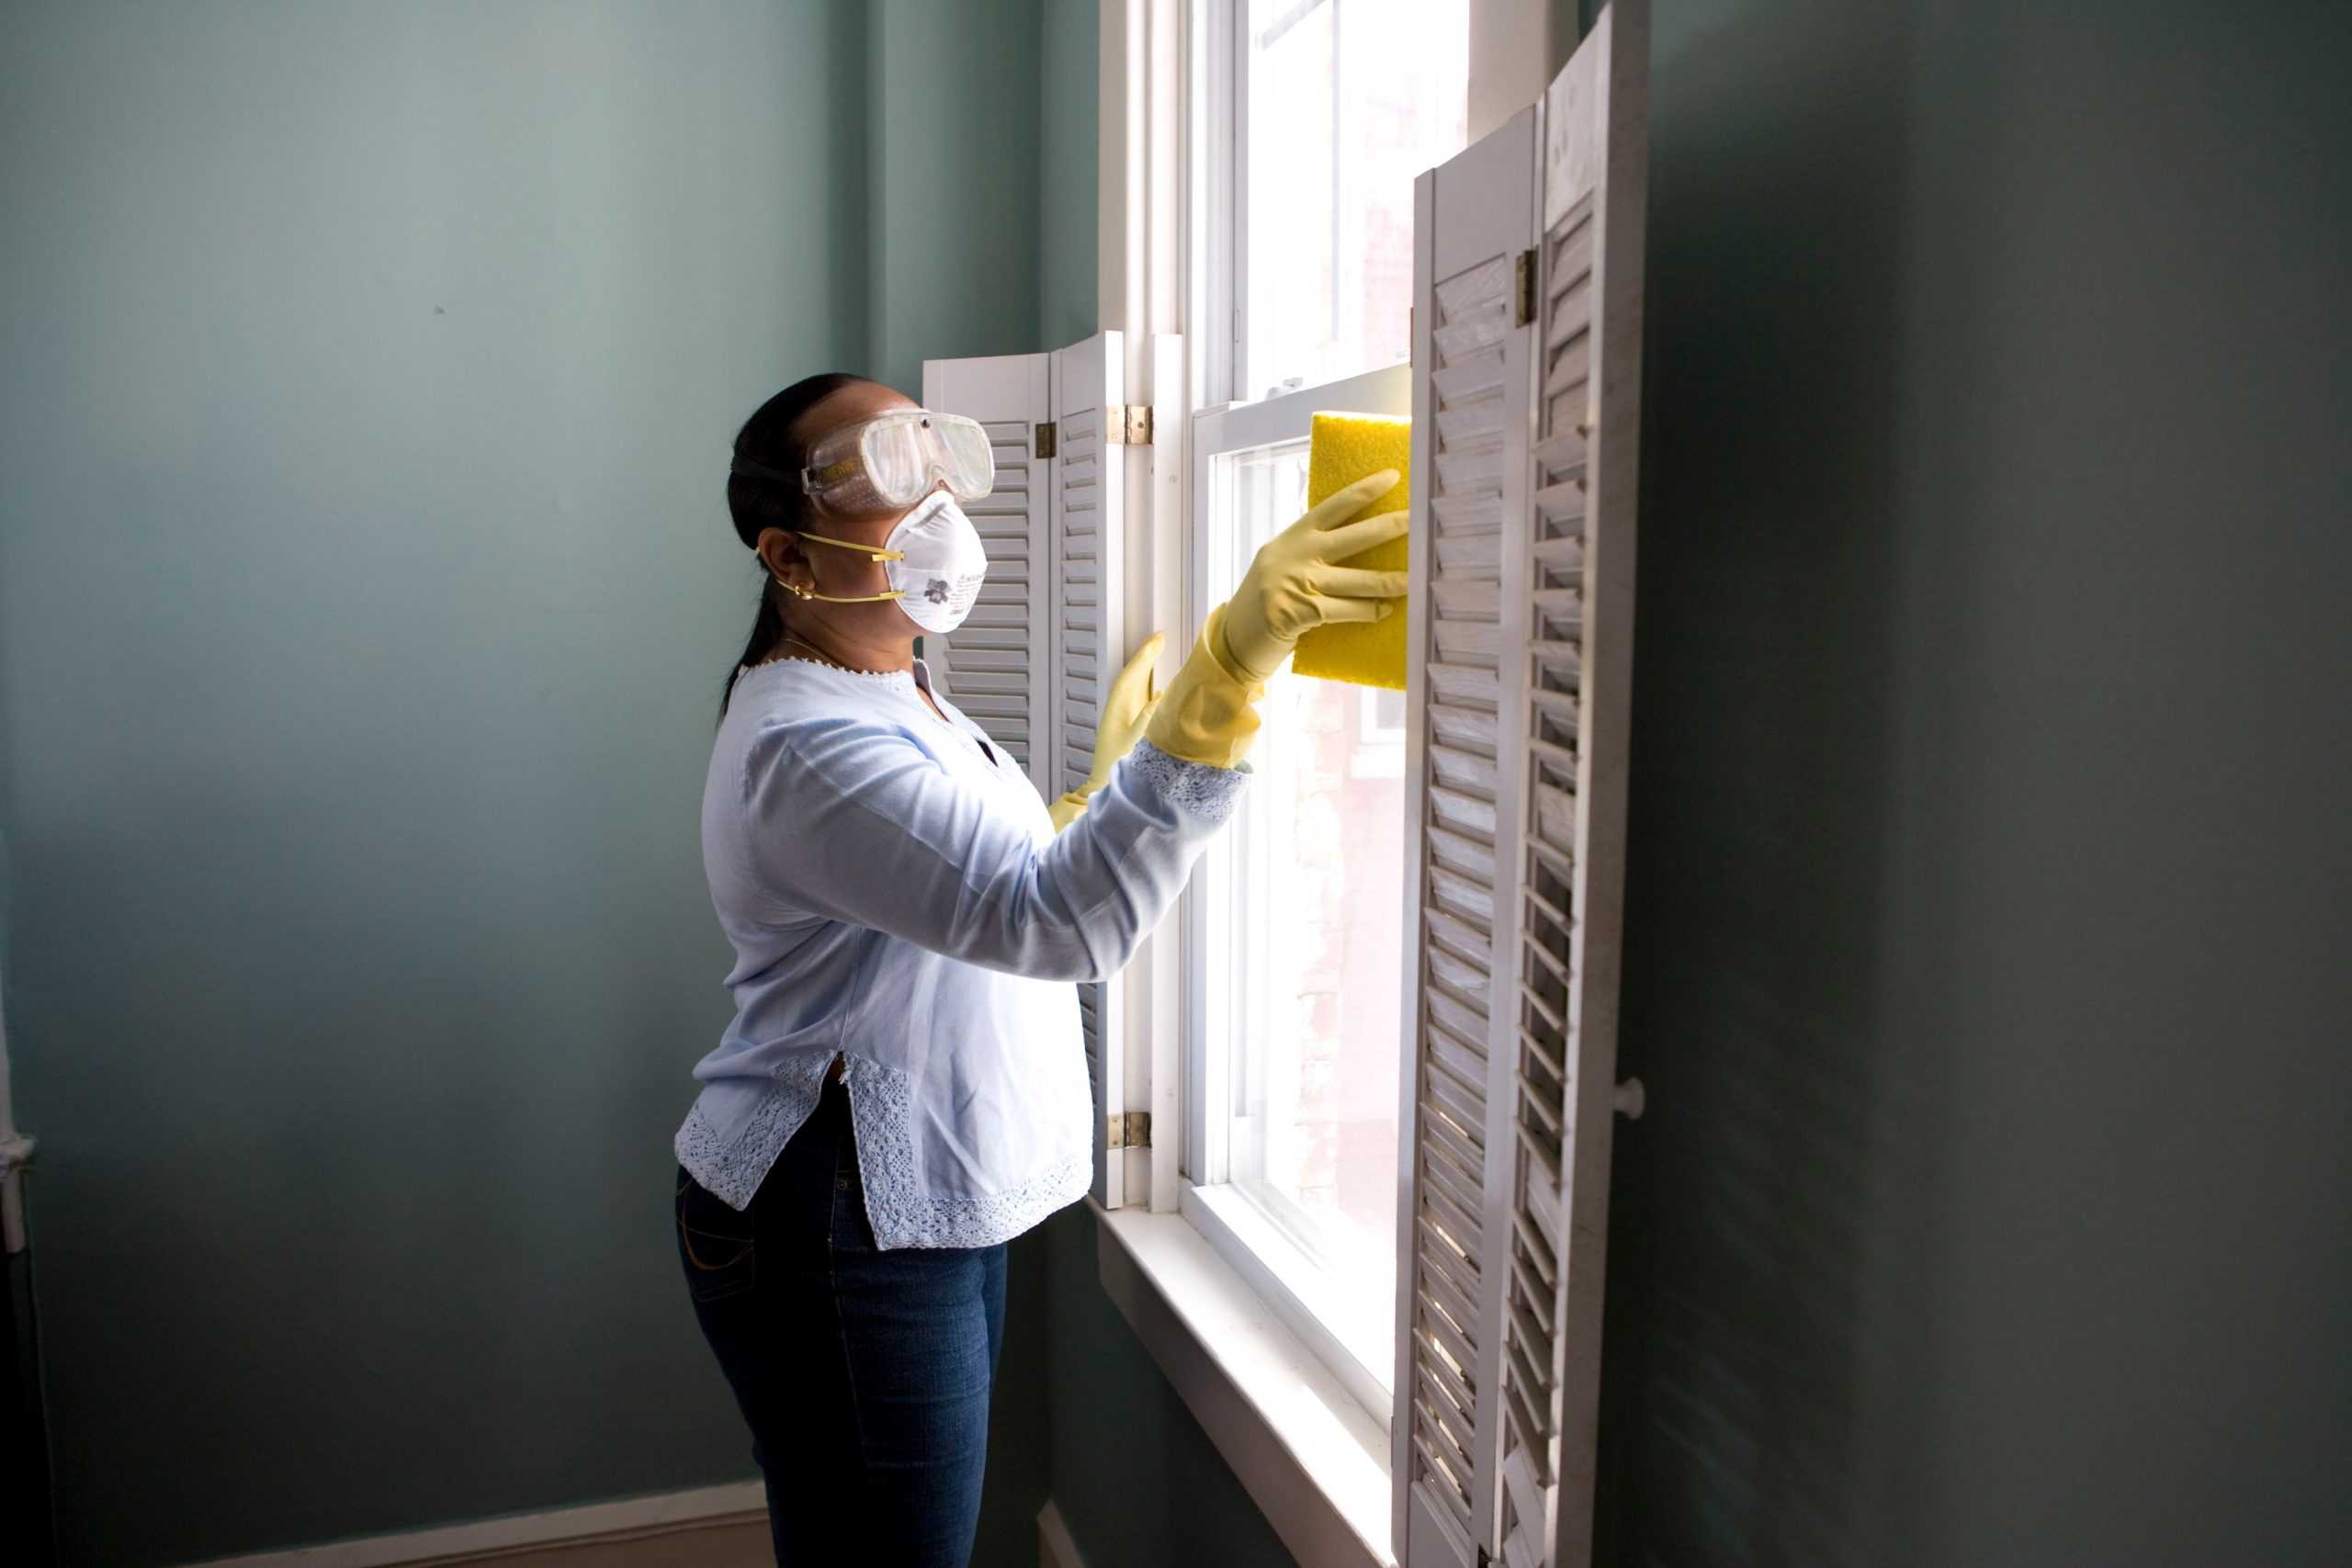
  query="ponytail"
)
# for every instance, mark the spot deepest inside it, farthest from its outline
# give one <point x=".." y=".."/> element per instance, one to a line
<point x="767" y="636"/>
<point x="764" y="492"/>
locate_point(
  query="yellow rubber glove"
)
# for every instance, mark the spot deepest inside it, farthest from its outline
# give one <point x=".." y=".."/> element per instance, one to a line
<point x="1126" y="709"/>
<point x="1205" y="715"/>
<point x="1292" y="586"/>
<point x="1295" y="584"/>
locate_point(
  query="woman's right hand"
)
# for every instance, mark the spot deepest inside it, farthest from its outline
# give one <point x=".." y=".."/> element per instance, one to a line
<point x="1295" y="583"/>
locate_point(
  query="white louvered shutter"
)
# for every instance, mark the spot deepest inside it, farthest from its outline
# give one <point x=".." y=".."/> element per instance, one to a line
<point x="1472" y="219"/>
<point x="994" y="666"/>
<point x="1084" y="648"/>
<point x="1573" y="715"/>
<point x="1520" y="806"/>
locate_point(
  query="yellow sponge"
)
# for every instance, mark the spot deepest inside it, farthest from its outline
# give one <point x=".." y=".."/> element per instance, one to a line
<point x="1342" y="449"/>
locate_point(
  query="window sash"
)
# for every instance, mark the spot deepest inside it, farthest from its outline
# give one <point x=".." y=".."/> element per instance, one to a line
<point x="1217" y="193"/>
<point x="1236" y="427"/>
<point x="1261" y="1234"/>
<point x="1221" y="50"/>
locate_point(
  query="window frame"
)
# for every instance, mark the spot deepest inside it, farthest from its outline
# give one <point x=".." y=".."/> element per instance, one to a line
<point x="1216" y="189"/>
<point x="1259" y="1243"/>
<point x="1252" y="1238"/>
<point x="1227" y="1324"/>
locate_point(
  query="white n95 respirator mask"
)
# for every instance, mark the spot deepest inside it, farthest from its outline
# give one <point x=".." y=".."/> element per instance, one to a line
<point x="935" y="561"/>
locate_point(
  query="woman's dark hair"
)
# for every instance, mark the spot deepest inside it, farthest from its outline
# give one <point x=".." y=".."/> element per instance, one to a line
<point x="761" y="502"/>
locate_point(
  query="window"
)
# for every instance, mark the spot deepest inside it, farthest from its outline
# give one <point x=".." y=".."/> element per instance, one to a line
<point x="1380" y="729"/>
<point x="1316" y="928"/>
<point x="1500" y="780"/>
<point x="1296" y="941"/>
<point x="1317" y="117"/>
<point x="1342" y="102"/>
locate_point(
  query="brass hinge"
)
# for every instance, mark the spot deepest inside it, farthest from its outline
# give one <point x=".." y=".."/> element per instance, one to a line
<point x="1129" y="1130"/>
<point x="1128" y="425"/>
<point x="1047" y="440"/>
<point x="1526" y="287"/>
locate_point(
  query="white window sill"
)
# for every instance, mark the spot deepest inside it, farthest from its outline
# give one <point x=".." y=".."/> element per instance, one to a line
<point x="1348" y="1330"/>
<point x="1312" y="1458"/>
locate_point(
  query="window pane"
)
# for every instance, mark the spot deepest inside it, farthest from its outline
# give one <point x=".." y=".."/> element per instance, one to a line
<point x="1316" y="934"/>
<point x="1328" y="959"/>
<point x="1349" y="101"/>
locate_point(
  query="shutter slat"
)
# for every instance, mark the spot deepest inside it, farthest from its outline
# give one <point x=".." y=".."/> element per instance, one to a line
<point x="1455" y="852"/>
<point x="1562" y="452"/>
<point x="1469" y="377"/>
<point x="1473" y="944"/>
<point x="1466" y="730"/>
<point x="1449" y="1493"/>
<point x="1560" y="503"/>
<point x="1472" y="514"/>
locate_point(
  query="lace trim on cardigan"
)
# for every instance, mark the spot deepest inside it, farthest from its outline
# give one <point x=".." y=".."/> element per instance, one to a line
<point x="888" y="677"/>
<point x="881" y="1100"/>
<point x="731" y="1168"/>
<point x="1196" y="788"/>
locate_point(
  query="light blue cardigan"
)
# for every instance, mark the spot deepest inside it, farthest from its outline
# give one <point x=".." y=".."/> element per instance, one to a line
<point x="896" y="896"/>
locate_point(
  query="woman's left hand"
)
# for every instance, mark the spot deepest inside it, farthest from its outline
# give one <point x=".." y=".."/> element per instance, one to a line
<point x="1126" y="709"/>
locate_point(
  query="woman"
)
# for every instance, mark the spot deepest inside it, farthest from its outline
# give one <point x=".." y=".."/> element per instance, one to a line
<point x="903" y="1088"/>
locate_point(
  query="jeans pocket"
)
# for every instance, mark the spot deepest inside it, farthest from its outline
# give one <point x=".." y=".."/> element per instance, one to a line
<point x="851" y="1230"/>
<point x="715" y="1246"/>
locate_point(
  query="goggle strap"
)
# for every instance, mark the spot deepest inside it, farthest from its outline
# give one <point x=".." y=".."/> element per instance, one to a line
<point x="751" y="470"/>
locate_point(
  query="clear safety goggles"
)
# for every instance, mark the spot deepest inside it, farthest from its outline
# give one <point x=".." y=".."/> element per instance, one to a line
<point x="892" y="461"/>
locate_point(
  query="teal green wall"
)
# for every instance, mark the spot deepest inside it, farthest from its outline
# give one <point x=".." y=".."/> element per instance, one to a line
<point x="1134" y="1477"/>
<point x="1989" y="889"/>
<point x="1068" y="164"/>
<point x="365" y="589"/>
<point x="954" y="93"/>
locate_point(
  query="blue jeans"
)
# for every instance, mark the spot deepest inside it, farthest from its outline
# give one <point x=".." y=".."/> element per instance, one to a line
<point x="863" y="1374"/>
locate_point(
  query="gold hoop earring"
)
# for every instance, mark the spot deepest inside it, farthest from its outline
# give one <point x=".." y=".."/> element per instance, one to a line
<point x="794" y="589"/>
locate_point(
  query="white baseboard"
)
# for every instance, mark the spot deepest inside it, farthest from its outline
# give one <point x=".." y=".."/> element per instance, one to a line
<point x="552" y="1539"/>
<point x="1054" y="1547"/>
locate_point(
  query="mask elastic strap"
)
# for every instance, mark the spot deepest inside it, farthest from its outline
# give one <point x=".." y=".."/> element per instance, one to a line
<point x="867" y="551"/>
<point x="799" y="593"/>
<point x="840" y="599"/>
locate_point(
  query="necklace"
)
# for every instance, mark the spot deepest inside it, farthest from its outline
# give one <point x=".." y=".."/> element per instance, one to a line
<point x="837" y="664"/>
<point x="822" y="654"/>
<point x="818" y="651"/>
